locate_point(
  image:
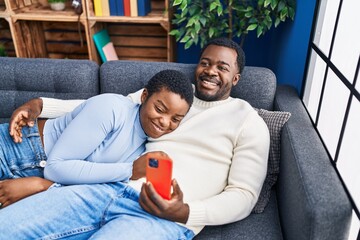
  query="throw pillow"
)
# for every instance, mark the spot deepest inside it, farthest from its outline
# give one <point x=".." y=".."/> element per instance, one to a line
<point x="275" y="120"/>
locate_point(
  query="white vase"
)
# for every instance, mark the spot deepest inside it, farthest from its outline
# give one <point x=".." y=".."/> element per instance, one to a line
<point x="58" y="6"/>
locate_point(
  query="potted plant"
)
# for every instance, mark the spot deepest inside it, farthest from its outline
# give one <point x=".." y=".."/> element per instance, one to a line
<point x="2" y="50"/>
<point x="196" y="21"/>
<point x="57" y="5"/>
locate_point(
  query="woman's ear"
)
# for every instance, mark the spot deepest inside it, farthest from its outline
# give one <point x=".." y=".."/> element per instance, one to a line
<point x="144" y="95"/>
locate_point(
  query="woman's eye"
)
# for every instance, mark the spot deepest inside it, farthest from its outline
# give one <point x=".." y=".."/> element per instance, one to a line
<point x="159" y="110"/>
<point x="176" y="120"/>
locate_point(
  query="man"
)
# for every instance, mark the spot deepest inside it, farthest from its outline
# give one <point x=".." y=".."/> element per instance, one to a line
<point x="220" y="153"/>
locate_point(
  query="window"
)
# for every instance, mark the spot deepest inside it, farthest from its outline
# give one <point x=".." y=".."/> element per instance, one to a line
<point x="331" y="92"/>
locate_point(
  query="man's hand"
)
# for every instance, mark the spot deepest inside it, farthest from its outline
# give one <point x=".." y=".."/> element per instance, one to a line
<point x="25" y="115"/>
<point x="13" y="190"/>
<point x="174" y="209"/>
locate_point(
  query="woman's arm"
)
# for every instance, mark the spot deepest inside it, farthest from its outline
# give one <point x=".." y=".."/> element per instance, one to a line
<point x="13" y="190"/>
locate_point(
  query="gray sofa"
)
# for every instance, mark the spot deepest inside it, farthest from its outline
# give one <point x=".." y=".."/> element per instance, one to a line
<point x="308" y="200"/>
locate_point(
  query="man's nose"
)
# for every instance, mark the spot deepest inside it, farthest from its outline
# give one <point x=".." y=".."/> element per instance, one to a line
<point x="211" y="70"/>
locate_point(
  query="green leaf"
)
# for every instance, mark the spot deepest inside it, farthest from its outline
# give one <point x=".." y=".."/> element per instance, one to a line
<point x="213" y="6"/>
<point x="219" y="10"/>
<point x="174" y="32"/>
<point x="277" y="22"/>
<point x="202" y="21"/>
<point x="273" y="4"/>
<point x="188" y="44"/>
<point x="266" y="3"/>
<point x="281" y="6"/>
<point x="197" y="27"/>
<point x="248" y="14"/>
<point x="259" y="31"/>
<point x="177" y="2"/>
<point x="185" y="39"/>
<point x="211" y="32"/>
<point x="251" y="27"/>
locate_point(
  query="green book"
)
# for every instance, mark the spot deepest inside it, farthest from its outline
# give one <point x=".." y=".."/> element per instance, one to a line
<point x="104" y="46"/>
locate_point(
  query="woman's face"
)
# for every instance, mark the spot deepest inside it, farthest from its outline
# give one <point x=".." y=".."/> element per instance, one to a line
<point x="162" y="112"/>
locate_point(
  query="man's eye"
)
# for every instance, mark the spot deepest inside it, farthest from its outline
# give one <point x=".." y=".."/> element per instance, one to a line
<point x="204" y="64"/>
<point x="221" y="68"/>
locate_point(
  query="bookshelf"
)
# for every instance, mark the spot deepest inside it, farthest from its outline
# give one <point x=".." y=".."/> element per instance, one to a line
<point x="31" y="29"/>
<point x="143" y="38"/>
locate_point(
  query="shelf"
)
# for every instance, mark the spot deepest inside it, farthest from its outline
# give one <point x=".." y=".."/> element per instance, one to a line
<point x="43" y="13"/>
<point x="36" y="31"/>
<point x="151" y="18"/>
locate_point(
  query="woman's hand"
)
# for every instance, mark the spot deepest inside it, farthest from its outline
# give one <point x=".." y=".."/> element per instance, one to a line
<point x="139" y="165"/>
<point x="25" y="115"/>
<point x="13" y="190"/>
<point x="174" y="209"/>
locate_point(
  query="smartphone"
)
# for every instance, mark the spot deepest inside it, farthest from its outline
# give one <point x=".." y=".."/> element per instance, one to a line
<point x="159" y="173"/>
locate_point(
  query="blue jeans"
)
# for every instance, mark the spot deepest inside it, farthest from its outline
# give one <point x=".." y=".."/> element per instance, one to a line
<point x="21" y="159"/>
<point x="97" y="211"/>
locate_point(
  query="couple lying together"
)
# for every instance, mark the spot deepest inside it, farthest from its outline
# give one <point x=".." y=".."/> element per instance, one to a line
<point x="81" y="175"/>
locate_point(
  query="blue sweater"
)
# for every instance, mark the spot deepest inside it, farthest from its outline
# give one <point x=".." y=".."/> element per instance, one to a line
<point x="95" y="143"/>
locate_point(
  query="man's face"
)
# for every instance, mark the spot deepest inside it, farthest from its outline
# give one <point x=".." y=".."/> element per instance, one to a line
<point x="216" y="73"/>
<point x="162" y="112"/>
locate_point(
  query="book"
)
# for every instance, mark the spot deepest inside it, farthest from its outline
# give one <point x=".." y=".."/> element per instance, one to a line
<point x="113" y="7"/>
<point x="133" y="8"/>
<point x="105" y="8"/>
<point x="109" y="52"/>
<point x="97" y="8"/>
<point x="126" y="7"/>
<point x="120" y="7"/>
<point x="144" y="7"/>
<point x="106" y="51"/>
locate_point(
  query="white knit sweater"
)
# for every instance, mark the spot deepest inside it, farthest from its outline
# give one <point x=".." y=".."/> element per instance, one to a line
<point x="219" y="153"/>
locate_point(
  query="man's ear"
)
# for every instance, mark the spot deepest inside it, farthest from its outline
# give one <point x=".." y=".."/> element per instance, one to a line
<point x="144" y="95"/>
<point x="236" y="79"/>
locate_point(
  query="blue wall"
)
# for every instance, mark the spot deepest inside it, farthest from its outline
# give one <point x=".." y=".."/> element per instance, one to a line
<point x="283" y="49"/>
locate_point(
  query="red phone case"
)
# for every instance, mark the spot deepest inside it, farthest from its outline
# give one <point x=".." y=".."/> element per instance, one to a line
<point x="159" y="173"/>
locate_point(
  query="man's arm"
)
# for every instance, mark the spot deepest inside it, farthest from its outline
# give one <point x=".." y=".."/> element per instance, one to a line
<point x="26" y="114"/>
<point x="53" y="108"/>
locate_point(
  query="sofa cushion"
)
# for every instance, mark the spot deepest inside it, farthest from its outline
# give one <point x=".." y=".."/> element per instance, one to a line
<point x="275" y="121"/>
<point x="25" y="78"/>
<point x="257" y="85"/>
<point x="256" y="226"/>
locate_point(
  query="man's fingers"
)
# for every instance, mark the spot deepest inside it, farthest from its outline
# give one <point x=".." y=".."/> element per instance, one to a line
<point x="177" y="193"/>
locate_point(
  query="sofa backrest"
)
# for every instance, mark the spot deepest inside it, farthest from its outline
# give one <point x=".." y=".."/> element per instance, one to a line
<point x="22" y="79"/>
<point x="257" y="85"/>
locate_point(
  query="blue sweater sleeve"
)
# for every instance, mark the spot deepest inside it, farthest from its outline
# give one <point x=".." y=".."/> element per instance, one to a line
<point x="87" y="128"/>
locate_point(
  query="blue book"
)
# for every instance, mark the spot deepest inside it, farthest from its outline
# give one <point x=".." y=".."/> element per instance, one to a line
<point x="113" y="7"/>
<point x="120" y="7"/>
<point x="144" y="7"/>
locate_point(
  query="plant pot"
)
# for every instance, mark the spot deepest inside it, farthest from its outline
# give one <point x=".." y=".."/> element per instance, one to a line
<point x="57" y="6"/>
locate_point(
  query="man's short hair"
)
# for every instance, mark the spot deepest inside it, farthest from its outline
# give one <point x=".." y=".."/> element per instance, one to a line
<point x="173" y="81"/>
<point x="226" y="42"/>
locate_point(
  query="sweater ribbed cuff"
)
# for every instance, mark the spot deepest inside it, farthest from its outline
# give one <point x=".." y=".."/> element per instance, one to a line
<point x="53" y="108"/>
<point x="197" y="214"/>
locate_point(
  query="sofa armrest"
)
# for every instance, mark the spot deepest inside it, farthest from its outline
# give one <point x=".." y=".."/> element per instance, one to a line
<point x="312" y="201"/>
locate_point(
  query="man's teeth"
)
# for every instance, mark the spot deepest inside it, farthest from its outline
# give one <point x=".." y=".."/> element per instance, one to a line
<point x="210" y="83"/>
